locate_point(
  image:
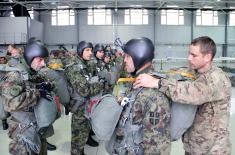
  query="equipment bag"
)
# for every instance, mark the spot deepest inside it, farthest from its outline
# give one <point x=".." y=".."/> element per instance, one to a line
<point x="46" y="112"/>
<point x="182" y="117"/>
<point x="104" y="116"/>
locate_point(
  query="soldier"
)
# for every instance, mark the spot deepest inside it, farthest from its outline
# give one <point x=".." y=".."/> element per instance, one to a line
<point x="99" y="55"/>
<point x="15" y="56"/>
<point x="3" y="60"/>
<point x="50" y="146"/>
<point x="82" y="89"/>
<point x="211" y="91"/>
<point x="144" y="127"/>
<point x="24" y="93"/>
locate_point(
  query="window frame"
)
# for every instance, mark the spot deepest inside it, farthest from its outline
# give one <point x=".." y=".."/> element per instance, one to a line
<point x="165" y="13"/>
<point x="201" y="13"/>
<point x="60" y="13"/>
<point x="94" y="13"/>
<point x="129" y="16"/>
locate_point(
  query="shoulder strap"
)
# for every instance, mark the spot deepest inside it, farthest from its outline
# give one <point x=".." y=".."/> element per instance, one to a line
<point x="130" y="100"/>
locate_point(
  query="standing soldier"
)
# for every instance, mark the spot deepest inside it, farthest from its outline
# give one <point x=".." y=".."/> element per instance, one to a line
<point x="211" y="91"/>
<point x="144" y="127"/>
<point x="25" y="93"/>
<point x="79" y="78"/>
<point x="3" y="61"/>
<point x="99" y="55"/>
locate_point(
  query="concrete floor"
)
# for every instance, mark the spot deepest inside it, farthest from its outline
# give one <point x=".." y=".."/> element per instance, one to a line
<point x="62" y="137"/>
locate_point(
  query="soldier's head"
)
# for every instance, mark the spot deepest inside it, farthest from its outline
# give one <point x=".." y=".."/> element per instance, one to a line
<point x="107" y="57"/>
<point x="13" y="50"/>
<point x="138" y="52"/>
<point x="10" y="47"/>
<point x="99" y="51"/>
<point x="201" y="53"/>
<point x="107" y="48"/>
<point x="84" y="50"/>
<point x="3" y="59"/>
<point x="35" y="54"/>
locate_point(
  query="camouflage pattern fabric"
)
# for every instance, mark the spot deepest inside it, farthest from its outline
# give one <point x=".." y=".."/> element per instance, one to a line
<point x="100" y="65"/>
<point x="151" y="109"/>
<point x="91" y="67"/>
<point x="155" y="108"/>
<point x="80" y="130"/>
<point x="20" y="149"/>
<point x="78" y="77"/>
<point x="119" y="62"/>
<point x="209" y="133"/>
<point x="20" y="95"/>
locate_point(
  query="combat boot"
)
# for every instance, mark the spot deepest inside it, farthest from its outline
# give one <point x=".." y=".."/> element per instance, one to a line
<point x="4" y="124"/>
<point x="51" y="147"/>
<point x="91" y="141"/>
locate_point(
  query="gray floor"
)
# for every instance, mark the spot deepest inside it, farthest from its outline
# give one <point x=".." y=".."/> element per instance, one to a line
<point x="62" y="137"/>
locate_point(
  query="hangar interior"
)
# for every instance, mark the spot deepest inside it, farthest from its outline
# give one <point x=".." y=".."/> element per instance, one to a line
<point x="170" y="24"/>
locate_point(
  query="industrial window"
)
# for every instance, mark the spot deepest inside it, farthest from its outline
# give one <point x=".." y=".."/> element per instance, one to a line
<point x="232" y="18"/>
<point x="172" y="17"/>
<point x="63" y="16"/>
<point x="136" y="16"/>
<point x="206" y="17"/>
<point x="99" y="17"/>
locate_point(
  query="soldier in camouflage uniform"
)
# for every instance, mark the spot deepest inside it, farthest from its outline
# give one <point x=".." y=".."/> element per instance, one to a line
<point x="3" y="60"/>
<point x="99" y="55"/>
<point x="78" y="78"/>
<point x="150" y="112"/>
<point x="211" y="91"/>
<point x="21" y="94"/>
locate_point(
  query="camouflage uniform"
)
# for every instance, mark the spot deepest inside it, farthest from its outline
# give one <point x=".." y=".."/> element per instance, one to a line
<point x="100" y="65"/>
<point x="151" y="110"/>
<point x="20" y="96"/>
<point x="119" y="63"/>
<point x="78" y="78"/>
<point x="211" y="91"/>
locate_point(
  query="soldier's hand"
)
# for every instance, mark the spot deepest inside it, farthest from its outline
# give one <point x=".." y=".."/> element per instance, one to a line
<point x="45" y="86"/>
<point x="45" y="94"/>
<point x="146" y="80"/>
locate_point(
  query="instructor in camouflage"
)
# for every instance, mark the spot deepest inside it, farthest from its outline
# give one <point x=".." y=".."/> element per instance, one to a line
<point x="79" y="77"/>
<point x="146" y="131"/>
<point x="211" y="91"/>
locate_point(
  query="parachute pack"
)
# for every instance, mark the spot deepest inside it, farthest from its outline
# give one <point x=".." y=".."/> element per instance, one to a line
<point x="182" y="115"/>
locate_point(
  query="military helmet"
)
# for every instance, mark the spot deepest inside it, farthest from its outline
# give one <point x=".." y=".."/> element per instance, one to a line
<point x="34" y="49"/>
<point x="33" y="39"/>
<point x="82" y="45"/>
<point x="107" y="54"/>
<point x="141" y="50"/>
<point x="98" y="47"/>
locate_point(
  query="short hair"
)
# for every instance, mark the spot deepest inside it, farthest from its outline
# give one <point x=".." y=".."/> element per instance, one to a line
<point x="207" y="45"/>
<point x="12" y="45"/>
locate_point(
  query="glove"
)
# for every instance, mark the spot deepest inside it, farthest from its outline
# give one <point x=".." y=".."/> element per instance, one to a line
<point x="45" y="94"/>
<point x="45" y="86"/>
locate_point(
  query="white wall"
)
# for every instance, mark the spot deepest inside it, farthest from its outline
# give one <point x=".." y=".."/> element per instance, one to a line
<point x="13" y="30"/>
<point x="169" y="40"/>
<point x="58" y="34"/>
<point x="36" y="29"/>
